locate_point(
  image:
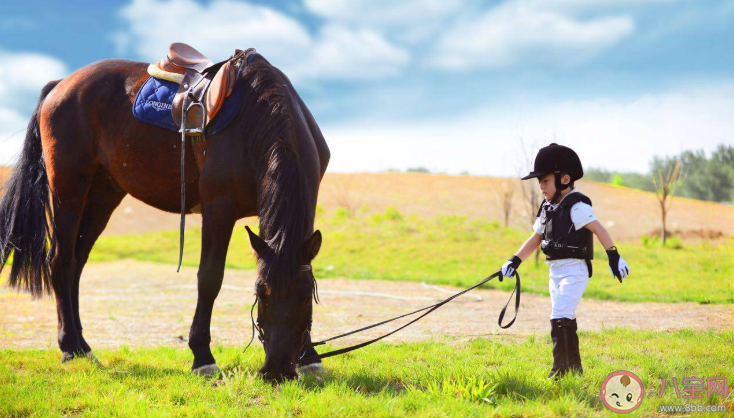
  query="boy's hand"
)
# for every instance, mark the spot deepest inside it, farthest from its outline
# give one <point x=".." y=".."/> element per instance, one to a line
<point x="619" y="267"/>
<point x="509" y="268"/>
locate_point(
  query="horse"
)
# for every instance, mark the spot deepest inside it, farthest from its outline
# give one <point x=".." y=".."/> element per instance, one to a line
<point x="84" y="151"/>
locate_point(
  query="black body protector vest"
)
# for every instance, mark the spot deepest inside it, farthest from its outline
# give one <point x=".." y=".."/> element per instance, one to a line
<point x="560" y="237"/>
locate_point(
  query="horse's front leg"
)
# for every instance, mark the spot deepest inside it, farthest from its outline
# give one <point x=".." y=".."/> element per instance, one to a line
<point x="218" y="222"/>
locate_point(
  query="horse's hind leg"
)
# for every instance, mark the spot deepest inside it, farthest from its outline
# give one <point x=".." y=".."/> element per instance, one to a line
<point x="69" y="154"/>
<point x="103" y="197"/>
<point x="69" y="191"/>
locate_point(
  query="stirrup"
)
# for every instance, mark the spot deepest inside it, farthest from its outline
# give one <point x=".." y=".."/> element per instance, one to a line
<point x="195" y="103"/>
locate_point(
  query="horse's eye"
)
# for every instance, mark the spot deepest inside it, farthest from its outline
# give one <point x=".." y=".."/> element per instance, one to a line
<point x="629" y="397"/>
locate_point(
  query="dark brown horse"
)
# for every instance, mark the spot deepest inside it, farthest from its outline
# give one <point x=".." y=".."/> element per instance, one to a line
<point x="84" y="151"/>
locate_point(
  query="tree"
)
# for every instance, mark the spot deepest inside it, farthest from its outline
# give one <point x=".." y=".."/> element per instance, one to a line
<point x="530" y="190"/>
<point x="666" y="179"/>
<point x="508" y="191"/>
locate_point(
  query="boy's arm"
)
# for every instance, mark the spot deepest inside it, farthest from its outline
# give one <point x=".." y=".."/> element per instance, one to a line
<point x="529" y="246"/>
<point x="526" y="249"/>
<point x="619" y="267"/>
<point x="601" y="233"/>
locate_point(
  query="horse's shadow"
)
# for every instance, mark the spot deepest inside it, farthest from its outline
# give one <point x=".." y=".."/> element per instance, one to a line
<point x="359" y="382"/>
<point x="122" y="371"/>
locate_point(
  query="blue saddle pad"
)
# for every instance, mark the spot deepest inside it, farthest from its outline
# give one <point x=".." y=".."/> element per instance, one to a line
<point x="153" y="105"/>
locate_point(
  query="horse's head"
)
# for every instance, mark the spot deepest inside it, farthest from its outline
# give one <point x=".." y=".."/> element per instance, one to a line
<point x="285" y="295"/>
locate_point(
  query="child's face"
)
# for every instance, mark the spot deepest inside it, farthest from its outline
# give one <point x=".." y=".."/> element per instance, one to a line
<point x="548" y="184"/>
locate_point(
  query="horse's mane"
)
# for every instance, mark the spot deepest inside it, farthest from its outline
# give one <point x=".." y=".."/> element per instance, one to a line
<point x="284" y="203"/>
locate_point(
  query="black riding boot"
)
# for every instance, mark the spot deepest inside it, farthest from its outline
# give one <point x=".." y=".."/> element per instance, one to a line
<point x="566" y="356"/>
<point x="573" y="347"/>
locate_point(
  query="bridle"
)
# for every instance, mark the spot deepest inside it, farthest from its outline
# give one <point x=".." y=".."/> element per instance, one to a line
<point x="256" y="323"/>
<point x="426" y="310"/>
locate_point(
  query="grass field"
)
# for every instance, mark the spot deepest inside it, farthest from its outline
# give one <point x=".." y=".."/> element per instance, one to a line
<point x="457" y="251"/>
<point x="503" y="376"/>
<point x="477" y="378"/>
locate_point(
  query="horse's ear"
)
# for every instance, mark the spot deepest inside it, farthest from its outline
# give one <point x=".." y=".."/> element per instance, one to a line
<point x="257" y="243"/>
<point x="312" y="245"/>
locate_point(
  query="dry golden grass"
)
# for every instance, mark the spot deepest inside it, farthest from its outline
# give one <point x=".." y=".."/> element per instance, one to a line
<point x="627" y="213"/>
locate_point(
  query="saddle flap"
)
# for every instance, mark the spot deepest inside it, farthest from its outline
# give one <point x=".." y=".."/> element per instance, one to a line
<point x="219" y="89"/>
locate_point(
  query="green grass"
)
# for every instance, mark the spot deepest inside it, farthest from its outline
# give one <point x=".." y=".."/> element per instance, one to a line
<point x="457" y="251"/>
<point x="477" y="378"/>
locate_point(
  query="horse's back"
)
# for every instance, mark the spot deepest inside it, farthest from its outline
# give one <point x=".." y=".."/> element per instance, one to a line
<point x="106" y="79"/>
<point x="96" y="89"/>
<point x="87" y="123"/>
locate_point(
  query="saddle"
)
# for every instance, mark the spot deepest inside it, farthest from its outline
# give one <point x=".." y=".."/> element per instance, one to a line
<point x="203" y="85"/>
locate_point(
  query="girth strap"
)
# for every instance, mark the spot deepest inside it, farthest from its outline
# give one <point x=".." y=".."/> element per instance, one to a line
<point x="199" y="143"/>
<point x="428" y="309"/>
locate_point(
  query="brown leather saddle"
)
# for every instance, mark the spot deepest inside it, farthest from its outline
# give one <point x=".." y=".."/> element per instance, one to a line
<point x="203" y="87"/>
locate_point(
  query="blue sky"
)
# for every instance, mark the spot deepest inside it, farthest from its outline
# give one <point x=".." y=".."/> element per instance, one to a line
<point x="450" y="85"/>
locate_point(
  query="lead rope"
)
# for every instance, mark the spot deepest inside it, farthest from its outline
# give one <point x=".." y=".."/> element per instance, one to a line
<point x="428" y="310"/>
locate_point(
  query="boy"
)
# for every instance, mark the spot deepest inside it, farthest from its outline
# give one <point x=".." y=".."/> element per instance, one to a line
<point x="563" y="229"/>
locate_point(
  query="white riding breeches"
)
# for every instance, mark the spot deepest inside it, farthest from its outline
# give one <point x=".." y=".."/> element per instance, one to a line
<point x="566" y="285"/>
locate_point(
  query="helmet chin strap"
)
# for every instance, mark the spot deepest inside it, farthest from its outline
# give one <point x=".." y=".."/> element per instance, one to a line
<point x="559" y="187"/>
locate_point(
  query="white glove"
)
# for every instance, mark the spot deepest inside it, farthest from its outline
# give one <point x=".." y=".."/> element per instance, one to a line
<point x="508" y="269"/>
<point x="617" y="263"/>
<point x="623" y="268"/>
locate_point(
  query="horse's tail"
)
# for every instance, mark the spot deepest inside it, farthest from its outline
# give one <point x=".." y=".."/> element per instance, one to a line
<point x="26" y="219"/>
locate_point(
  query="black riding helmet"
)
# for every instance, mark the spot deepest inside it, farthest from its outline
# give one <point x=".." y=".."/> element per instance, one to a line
<point x="559" y="160"/>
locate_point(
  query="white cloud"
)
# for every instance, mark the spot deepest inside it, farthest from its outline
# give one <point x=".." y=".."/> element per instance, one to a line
<point x="22" y="75"/>
<point x="630" y="133"/>
<point x="601" y="4"/>
<point x="335" y="51"/>
<point x="520" y="31"/>
<point x="618" y="135"/>
<point x="408" y="21"/>
<point x="383" y="11"/>
<point x="12" y="134"/>
<point x="370" y="55"/>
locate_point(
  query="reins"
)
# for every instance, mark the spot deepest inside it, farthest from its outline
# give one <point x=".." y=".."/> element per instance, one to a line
<point x="427" y="309"/>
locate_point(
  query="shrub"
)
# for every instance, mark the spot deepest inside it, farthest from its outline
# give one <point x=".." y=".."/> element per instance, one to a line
<point x="392" y="213"/>
<point x="674" y="242"/>
<point x="617" y="180"/>
<point x="342" y="213"/>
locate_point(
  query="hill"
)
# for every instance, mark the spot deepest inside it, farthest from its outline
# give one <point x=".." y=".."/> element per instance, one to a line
<point x="627" y="213"/>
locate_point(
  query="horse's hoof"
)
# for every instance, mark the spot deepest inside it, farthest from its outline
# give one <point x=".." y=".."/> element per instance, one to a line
<point x="316" y="369"/>
<point x="207" y="371"/>
<point x="67" y="357"/>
